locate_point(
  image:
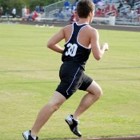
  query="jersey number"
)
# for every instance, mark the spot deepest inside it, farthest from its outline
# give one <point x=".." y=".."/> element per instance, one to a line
<point x="72" y="49"/>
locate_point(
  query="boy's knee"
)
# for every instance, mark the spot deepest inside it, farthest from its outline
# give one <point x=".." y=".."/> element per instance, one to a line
<point x="54" y="106"/>
<point x="95" y="89"/>
<point x="98" y="92"/>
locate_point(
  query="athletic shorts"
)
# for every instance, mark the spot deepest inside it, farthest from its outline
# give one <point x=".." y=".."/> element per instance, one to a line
<point x="72" y="77"/>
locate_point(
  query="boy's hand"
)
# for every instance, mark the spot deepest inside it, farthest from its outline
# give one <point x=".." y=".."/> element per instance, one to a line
<point x="105" y="46"/>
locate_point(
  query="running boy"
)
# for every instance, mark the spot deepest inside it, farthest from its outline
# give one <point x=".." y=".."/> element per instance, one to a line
<point x="80" y="39"/>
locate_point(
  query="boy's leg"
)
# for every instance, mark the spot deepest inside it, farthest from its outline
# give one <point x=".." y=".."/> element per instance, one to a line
<point x="46" y="112"/>
<point x="94" y="92"/>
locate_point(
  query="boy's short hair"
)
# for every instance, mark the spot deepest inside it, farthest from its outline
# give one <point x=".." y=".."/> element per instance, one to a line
<point x="84" y="7"/>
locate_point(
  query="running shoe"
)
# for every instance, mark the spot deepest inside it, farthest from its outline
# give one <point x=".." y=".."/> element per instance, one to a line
<point x="27" y="135"/>
<point x="73" y="125"/>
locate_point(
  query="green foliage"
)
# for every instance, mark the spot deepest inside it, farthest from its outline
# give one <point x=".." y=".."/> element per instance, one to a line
<point x="8" y="5"/>
<point x="18" y="4"/>
<point x="33" y="3"/>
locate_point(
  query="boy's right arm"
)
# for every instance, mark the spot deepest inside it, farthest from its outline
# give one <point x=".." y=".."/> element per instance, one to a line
<point x="54" y="40"/>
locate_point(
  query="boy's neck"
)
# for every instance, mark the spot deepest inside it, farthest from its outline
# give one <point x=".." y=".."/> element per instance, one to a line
<point x="83" y="20"/>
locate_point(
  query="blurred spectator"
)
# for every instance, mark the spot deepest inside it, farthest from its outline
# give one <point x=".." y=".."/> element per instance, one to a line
<point x="25" y="13"/>
<point x="67" y="4"/>
<point x="120" y="5"/>
<point x="98" y="13"/>
<point x="41" y="9"/>
<point x="100" y="3"/>
<point x="130" y="14"/>
<point x="74" y="17"/>
<point x="107" y="8"/>
<point x="1" y="11"/>
<point x="60" y="14"/>
<point x="112" y="8"/>
<point x="37" y="9"/>
<point x="68" y="12"/>
<point x="96" y="1"/>
<point x="14" y="11"/>
<point x="34" y="15"/>
<point x="138" y="11"/>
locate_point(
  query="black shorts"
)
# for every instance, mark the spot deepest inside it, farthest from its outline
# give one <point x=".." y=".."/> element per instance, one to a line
<point x="72" y="77"/>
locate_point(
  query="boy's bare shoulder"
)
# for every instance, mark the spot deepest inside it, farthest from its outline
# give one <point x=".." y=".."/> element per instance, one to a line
<point x="67" y="26"/>
<point x="91" y="29"/>
<point x="65" y="29"/>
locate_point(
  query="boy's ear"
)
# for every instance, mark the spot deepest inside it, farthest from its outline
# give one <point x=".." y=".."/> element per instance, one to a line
<point x="91" y="14"/>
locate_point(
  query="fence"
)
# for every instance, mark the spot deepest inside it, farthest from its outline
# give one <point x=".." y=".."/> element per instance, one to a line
<point x="55" y="7"/>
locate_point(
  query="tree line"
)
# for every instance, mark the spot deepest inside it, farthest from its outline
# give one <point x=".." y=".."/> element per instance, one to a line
<point x="8" y="5"/>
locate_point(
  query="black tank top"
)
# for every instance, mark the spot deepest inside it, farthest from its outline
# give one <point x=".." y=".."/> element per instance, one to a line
<point x="74" y="51"/>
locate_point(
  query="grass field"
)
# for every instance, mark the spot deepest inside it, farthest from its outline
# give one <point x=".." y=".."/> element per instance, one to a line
<point x="29" y="76"/>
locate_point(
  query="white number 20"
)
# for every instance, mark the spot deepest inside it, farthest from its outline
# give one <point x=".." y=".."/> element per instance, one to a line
<point x="72" y="49"/>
